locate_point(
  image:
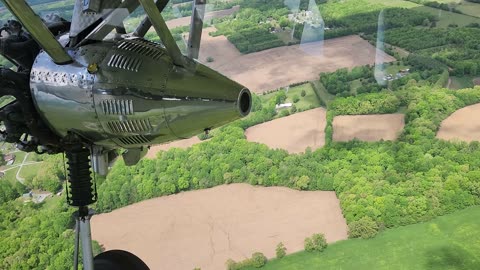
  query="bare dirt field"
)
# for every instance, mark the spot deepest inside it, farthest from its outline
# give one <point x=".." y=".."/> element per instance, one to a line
<point x="293" y="133"/>
<point x="205" y="228"/>
<point x="462" y="125"/>
<point x="152" y="153"/>
<point x="368" y="128"/>
<point x="183" y="21"/>
<point x="278" y="67"/>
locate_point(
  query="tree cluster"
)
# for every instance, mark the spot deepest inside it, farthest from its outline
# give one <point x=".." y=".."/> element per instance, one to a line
<point x="257" y="260"/>
<point x="457" y="48"/>
<point x="377" y="103"/>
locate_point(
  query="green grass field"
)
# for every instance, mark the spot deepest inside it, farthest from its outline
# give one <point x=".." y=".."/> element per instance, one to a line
<point x="10" y="176"/>
<point x="310" y="100"/>
<point x="29" y="170"/>
<point x="19" y="156"/>
<point x="448" y="242"/>
<point x="394" y="69"/>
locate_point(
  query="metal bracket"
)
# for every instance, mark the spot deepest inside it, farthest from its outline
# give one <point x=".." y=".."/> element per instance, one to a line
<point x="196" y="27"/>
<point x="143" y="27"/>
<point x="163" y="32"/>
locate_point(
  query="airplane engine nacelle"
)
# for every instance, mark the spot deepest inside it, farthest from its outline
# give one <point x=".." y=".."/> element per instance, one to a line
<point x="128" y="94"/>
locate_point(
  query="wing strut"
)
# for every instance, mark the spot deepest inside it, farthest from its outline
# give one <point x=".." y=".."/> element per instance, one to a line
<point x="145" y="25"/>
<point x="38" y="30"/>
<point x="163" y="32"/>
<point x="196" y="27"/>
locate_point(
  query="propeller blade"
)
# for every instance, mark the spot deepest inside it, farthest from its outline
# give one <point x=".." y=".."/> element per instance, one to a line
<point x="196" y="27"/>
<point x="313" y="31"/>
<point x="163" y="32"/>
<point x="380" y="51"/>
<point x="38" y="30"/>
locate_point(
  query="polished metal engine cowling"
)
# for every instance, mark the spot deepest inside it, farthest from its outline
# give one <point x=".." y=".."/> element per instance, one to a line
<point x="127" y="93"/>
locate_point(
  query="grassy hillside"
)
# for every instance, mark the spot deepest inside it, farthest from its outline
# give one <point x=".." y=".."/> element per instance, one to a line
<point x="448" y="242"/>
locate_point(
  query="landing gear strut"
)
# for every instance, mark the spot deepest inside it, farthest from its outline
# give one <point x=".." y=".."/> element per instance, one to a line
<point x="81" y="193"/>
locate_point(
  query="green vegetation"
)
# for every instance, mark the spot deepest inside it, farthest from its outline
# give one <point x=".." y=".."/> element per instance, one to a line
<point x="380" y="185"/>
<point x="461" y="82"/>
<point x="258" y="260"/>
<point x="455" y="47"/>
<point x="359" y="79"/>
<point x="431" y="175"/>
<point x="316" y="243"/>
<point x="280" y="251"/>
<point x="366" y="104"/>
<point x="448" y="242"/>
<point x="34" y="237"/>
<point x="364" y="228"/>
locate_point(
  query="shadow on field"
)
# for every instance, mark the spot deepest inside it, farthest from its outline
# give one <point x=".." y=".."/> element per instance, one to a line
<point x="451" y="257"/>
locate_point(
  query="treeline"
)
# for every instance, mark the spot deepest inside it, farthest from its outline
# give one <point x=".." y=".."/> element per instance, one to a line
<point x="342" y="23"/>
<point x="378" y="103"/>
<point x="456" y="47"/>
<point x="254" y="40"/>
<point x="9" y="191"/>
<point x="35" y="238"/>
<point x="393" y="183"/>
<point x="340" y="82"/>
<point x="435" y="4"/>
<point x="249" y="30"/>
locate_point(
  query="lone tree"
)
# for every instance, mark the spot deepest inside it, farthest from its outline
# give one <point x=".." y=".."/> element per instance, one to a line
<point x="316" y="242"/>
<point x="258" y="259"/>
<point x="281" y="250"/>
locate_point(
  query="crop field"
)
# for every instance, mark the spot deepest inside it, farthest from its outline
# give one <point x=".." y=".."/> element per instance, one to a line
<point x="152" y="153"/>
<point x="293" y="133"/>
<point x="462" y="125"/>
<point x="205" y="228"/>
<point x="448" y="242"/>
<point x="280" y="67"/>
<point x="367" y="127"/>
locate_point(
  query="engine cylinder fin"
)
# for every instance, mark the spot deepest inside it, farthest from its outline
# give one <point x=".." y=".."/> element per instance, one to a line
<point x="117" y="107"/>
<point x="120" y="61"/>
<point x="133" y="140"/>
<point x="129" y="126"/>
<point x="143" y="47"/>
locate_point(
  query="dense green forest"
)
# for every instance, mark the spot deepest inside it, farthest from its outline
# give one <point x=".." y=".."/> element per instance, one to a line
<point x="394" y="183"/>
<point x="390" y="183"/>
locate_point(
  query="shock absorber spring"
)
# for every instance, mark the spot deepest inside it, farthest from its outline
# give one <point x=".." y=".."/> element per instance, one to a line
<point x="82" y="188"/>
